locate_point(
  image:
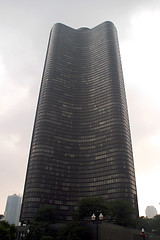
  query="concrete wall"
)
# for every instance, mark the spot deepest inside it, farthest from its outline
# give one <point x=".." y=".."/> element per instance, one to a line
<point x="108" y="231"/>
<point x="104" y="231"/>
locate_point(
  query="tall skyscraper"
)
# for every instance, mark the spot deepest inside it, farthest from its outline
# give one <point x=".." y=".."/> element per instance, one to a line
<point x="81" y="144"/>
<point x="12" y="210"/>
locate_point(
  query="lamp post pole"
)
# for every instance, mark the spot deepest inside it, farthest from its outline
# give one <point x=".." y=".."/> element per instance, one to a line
<point x="97" y="221"/>
<point x="143" y="236"/>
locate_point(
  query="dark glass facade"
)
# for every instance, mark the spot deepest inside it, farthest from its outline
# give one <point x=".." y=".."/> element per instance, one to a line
<point x="81" y="143"/>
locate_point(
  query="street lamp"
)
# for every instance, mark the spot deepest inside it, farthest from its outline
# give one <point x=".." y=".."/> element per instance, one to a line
<point x="22" y="235"/>
<point x="143" y="236"/>
<point x="28" y="231"/>
<point x="93" y="217"/>
<point x="97" y="221"/>
<point x="100" y="216"/>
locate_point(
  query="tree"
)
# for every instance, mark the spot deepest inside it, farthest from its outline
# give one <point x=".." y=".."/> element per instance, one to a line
<point x="150" y="224"/>
<point x="41" y="228"/>
<point x="121" y="212"/>
<point x="155" y="224"/>
<point x="118" y="211"/>
<point x="87" y="206"/>
<point x="7" y="231"/>
<point x="72" y="231"/>
<point x="145" y="223"/>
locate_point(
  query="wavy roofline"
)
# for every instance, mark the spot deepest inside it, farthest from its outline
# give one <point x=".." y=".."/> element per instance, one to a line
<point x="84" y="28"/>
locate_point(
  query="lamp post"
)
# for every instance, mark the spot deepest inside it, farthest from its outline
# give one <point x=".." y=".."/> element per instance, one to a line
<point x="143" y="236"/>
<point x="27" y="232"/>
<point x="22" y="235"/>
<point x="97" y="221"/>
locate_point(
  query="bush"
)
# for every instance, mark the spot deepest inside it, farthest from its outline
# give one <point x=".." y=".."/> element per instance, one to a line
<point x="7" y="231"/>
<point x="72" y="231"/>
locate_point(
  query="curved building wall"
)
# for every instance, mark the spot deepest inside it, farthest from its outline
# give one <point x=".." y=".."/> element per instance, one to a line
<point x="81" y="144"/>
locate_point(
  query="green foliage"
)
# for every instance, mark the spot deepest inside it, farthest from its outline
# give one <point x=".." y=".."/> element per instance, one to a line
<point x="72" y="231"/>
<point x="155" y="223"/>
<point x="46" y="214"/>
<point x="37" y="230"/>
<point x="87" y="206"/>
<point x="43" y="227"/>
<point x="149" y="224"/>
<point x="117" y="211"/>
<point x="145" y="223"/>
<point x="40" y="228"/>
<point x="7" y="231"/>
<point x="121" y="212"/>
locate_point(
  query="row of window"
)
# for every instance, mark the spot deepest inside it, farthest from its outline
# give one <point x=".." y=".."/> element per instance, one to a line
<point x="40" y="175"/>
<point x="82" y="158"/>
<point x="79" y="169"/>
<point x="74" y="187"/>
<point x="50" y="163"/>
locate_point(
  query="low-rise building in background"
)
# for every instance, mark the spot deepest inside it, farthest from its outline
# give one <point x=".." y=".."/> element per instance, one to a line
<point x="151" y="211"/>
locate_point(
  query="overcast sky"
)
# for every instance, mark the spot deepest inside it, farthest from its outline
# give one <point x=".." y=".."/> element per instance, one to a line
<point x="24" y="32"/>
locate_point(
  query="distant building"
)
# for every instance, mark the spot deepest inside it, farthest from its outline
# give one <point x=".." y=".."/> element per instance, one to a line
<point x="151" y="211"/>
<point x="12" y="211"/>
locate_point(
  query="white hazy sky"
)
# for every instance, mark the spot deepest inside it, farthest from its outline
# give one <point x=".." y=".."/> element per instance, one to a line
<point x="24" y="31"/>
